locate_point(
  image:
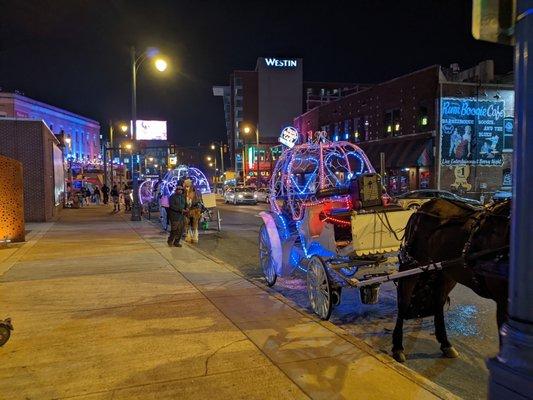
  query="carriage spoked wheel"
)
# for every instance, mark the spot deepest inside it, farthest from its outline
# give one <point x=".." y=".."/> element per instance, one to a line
<point x="265" y="257"/>
<point x="319" y="288"/>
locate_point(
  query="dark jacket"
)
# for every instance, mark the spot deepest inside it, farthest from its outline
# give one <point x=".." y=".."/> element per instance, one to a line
<point x="176" y="204"/>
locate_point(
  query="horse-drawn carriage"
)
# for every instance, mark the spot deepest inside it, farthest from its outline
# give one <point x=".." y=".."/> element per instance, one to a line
<point x="330" y="217"/>
<point x="152" y="191"/>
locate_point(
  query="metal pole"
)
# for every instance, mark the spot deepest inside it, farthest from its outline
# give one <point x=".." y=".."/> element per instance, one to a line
<point x="135" y="209"/>
<point x="511" y="372"/>
<point x="243" y="161"/>
<point x="222" y="158"/>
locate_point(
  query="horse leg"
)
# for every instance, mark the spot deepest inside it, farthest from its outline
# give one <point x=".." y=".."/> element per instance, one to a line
<point x="195" y="229"/>
<point x="440" y="332"/>
<point x="397" y="340"/>
<point x="501" y="315"/>
<point x="404" y="293"/>
<point x="188" y="229"/>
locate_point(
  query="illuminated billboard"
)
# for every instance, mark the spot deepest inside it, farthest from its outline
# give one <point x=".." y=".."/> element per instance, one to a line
<point x="151" y="130"/>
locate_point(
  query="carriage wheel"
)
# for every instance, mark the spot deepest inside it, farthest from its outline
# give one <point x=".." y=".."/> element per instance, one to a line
<point x="265" y="257"/>
<point x="319" y="288"/>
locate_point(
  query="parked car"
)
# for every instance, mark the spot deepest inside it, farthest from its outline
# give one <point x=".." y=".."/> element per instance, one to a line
<point x="415" y="198"/>
<point x="262" y="194"/>
<point x="502" y="195"/>
<point x="240" y="195"/>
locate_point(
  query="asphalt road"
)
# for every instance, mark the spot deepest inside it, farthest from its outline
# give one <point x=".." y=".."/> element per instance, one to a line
<point x="470" y="320"/>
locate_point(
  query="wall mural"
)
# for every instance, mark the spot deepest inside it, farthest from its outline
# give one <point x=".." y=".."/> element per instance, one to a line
<point x="472" y="131"/>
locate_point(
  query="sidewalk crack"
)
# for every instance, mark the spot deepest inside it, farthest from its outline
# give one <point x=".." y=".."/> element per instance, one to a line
<point x="217" y="350"/>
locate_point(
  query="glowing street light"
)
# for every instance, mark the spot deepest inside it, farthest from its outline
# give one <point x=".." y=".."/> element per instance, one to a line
<point x="247" y="129"/>
<point x="208" y="158"/>
<point x="160" y="64"/>
<point x="212" y="147"/>
<point x="124" y="128"/>
<point x="136" y="61"/>
<point x="128" y="146"/>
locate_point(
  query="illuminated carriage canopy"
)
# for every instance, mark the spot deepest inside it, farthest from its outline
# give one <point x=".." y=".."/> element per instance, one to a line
<point x="310" y="168"/>
<point x="150" y="188"/>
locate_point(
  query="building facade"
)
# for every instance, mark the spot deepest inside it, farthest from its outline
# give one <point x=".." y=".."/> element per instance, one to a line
<point x="83" y="134"/>
<point x="406" y="126"/>
<point x="34" y="145"/>
<point x="258" y="104"/>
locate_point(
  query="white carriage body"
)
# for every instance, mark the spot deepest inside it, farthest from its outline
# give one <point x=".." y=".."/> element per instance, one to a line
<point x="327" y="198"/>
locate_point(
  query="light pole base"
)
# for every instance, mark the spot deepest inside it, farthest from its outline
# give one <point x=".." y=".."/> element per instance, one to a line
<point x="511" y="372"/>
<point x="135" y="212"/>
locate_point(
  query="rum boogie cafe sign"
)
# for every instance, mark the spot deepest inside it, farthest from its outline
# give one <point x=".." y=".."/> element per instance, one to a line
<point x="471" y="131"/>
<point x="280" y="63"/>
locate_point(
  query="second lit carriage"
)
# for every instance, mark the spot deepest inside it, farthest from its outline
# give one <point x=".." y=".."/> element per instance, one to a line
<point x="328" y="216"/>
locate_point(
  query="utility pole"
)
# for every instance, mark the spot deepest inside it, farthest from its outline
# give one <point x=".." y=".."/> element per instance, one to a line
<point x="511" y="372"/>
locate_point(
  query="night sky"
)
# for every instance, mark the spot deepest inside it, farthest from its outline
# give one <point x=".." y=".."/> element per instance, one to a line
<point x="75" y="54"/>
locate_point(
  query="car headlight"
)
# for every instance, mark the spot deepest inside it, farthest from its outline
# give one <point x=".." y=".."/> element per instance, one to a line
<point x="255" y="196"/>
<point x="240" y="196"/>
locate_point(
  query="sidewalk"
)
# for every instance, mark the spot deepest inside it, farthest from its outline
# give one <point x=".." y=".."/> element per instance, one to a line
<point x="104" y="309"/>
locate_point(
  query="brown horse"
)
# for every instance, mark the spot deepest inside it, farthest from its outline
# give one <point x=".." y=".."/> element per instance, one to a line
<point x="194" y="212"/>
<point x="472" y="243"/>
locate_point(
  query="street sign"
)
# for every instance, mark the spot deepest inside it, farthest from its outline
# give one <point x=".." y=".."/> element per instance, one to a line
<point x="494" y="20"/>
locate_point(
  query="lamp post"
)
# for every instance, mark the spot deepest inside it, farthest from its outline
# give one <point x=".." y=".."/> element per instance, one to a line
<point x="221" y="147"/>
<point x="136" y="62"/>
<point x="248" y="129"/>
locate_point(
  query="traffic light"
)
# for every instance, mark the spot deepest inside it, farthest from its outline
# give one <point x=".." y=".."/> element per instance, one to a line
<point x="172" y="149"/>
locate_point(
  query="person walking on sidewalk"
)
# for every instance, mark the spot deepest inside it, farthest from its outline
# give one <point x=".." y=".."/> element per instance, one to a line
<point x="176" y="210"/>
<point x="96" y="195"/>
<point x="105" y="193"/>
<point x="116" y="197"/>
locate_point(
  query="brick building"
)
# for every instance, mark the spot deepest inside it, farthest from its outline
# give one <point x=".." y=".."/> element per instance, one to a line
<point x="34" y="145"/>
<point x="84" y="133"/>
<point x="399" y="125"/>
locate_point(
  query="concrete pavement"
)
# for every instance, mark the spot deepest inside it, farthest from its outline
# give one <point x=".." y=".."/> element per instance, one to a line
<point x="103" y="309"/>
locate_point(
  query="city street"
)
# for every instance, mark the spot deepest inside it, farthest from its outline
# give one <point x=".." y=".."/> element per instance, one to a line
<point x="470" y="320"/>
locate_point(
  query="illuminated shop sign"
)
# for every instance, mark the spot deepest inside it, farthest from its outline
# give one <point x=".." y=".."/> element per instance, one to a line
<point x="289" y="136"/>
<point x="472" y="131"/>
<point x="151" y="130"/>
<point x="281" y="63"/>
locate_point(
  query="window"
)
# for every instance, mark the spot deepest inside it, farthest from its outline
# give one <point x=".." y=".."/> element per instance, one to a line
<point x="391" y="122"/>
<point x="423" y="118"/>
<point x="238" y="102"/>
<point x="508" y="129"/>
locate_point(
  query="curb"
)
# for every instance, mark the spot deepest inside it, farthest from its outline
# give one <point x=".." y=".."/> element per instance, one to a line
<point x="384" y="358"/>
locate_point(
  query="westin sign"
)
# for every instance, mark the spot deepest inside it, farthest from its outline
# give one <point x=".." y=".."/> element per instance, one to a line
<point x="277" y="63"/>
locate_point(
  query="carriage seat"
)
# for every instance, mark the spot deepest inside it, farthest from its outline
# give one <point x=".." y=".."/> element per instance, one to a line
<point x="331" y="192"/>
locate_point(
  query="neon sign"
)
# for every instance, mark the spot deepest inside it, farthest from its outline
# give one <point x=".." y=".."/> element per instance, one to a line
<point x="277" y="63"/>
<point x="288" y="137"/>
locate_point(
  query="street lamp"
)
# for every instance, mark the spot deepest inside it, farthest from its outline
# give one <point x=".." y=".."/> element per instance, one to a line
<point x="221" y="146"/>
<point x="136" y="61"/>
<point x="247" y="129"/>
<point x="124" y="128"/>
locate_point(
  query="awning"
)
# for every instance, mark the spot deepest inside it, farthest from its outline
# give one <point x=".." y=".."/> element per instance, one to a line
<point x="400" y="152"/>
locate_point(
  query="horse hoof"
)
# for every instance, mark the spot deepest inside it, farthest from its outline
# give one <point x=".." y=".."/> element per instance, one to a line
<point x="399" y="356"/>
<point x="450" y="352"/>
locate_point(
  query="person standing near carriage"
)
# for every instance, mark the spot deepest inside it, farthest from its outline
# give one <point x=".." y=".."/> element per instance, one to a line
<point x="115" y="195"/>
<point x="105" y="192"/>
<point x="177" y="207"/>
